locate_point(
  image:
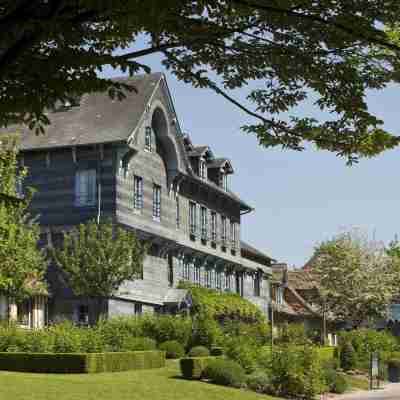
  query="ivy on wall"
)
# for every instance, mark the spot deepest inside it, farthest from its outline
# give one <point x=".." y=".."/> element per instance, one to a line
<point x="221" y="306"/>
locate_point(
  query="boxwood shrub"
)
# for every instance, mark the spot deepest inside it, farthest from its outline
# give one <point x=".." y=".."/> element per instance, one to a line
<point x="225" y="372"/>
<point x="81" y="362"/>
<point x="173" y="349"/>
<point x="199" y="351"/>
<point x="193" y="367"/>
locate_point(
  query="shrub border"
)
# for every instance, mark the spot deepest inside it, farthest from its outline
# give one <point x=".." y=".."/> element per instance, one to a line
<point x="81" y="362"/>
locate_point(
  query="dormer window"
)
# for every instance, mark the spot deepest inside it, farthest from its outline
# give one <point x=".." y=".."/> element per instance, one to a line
<point x="202" y="170"/>
<point x="148" y="139"/>
<point x="224" y="181"/>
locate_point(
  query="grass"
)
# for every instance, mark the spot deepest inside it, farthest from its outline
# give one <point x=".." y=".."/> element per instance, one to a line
<point x="357" y="383"/>
<point x="157" y="384"/>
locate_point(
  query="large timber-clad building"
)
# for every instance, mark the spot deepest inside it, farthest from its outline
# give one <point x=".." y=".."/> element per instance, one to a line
<point x="129" y="160"/>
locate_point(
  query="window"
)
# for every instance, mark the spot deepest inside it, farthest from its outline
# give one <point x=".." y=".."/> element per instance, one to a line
<point x="138" y="308"/>
<point x="137" y="192"/>
<point x="192" y="218"/>
<point x="224" y="181"/>
<point x="239" y="283"/>
<point x="224" y="230"/>
<point x="204" y="223"/>
<point x="186" y="270"/>
<point x="203" y="170"/>
<point x="197" y="274"/>
<point x="24" y="313"/>
<point x="156" y="202"/>
<point x="233" y="235"/>
<point x="227" y="282"/>
<point x="170" y="270"/>
<point x="208" y="278"/>
<point x="178" y="212"/>
<point x="85" y="188"/>
<point x="83" y="315"/>
<point x="257" y="284"/>
<point x="279" y="295"/>
<point x="148" y="139"/>
<point x="218" y="279"/>
<point x="213" y="226"/>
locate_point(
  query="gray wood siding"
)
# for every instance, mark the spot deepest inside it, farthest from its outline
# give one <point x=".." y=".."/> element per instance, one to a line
<point x="53" y="201"/>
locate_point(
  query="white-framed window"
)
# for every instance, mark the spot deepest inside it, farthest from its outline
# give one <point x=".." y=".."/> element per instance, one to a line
<point x="137" y="192"/>
<point x="257" y="284"/>
<point x="224" y="231"/>
<point x="186" y="269"/>
<point x="224" y="181"/>
<point x="156" y="202"/>
<point x="148" y="139"/>
<point x="192" y="218"/>
<point x="202" y="169"/>
<point x="85" y="188"/>
<point x="197" y="270"/>
<point x="213" y="226"/>
<point x="204" y="223"/>
<point x="233" y="235"/>
<point x="178" y="212"/>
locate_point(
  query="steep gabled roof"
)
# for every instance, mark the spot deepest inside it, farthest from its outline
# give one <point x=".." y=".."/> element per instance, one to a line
<point x="97" y="119"/>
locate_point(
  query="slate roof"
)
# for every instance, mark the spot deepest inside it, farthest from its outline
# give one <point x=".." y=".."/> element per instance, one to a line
<point x="97" y="119"/>
<point x="218" y="162"/>
<point x="198" y="151"/>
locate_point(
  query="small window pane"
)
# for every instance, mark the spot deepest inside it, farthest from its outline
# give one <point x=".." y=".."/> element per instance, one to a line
<point x="148" y="139"/>
<point x="137" y="192"/>
<point x="85" y="188"/>
<point x="156" y="202"/>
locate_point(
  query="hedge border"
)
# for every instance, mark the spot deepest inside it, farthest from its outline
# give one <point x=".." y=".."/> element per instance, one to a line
<point x="81" y="362"/>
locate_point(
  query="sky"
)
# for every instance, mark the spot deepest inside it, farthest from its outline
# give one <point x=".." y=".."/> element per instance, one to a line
<point x="300" y="198"/>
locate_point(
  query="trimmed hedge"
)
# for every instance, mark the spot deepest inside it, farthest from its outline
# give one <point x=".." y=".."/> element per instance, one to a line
<point x="193" y="367"/>
<point x="81" y="362"/>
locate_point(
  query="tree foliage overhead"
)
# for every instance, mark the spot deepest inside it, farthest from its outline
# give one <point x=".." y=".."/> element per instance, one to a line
<point x="357" y="278"/>
<point x="331" y="51"/>
<point x="22" y="264"/>
<point x="98" y="258"/>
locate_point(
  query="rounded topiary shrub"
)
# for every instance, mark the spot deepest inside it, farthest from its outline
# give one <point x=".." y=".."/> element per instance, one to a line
<point x="199" y="351"/>
<point x="138" y="344"/>
<point x="348" y="357"/>
<point x="340" y="384"/>
<point x="173" y="349"/>
<point x="259" y="381"/>
<point x="225" y="372"/>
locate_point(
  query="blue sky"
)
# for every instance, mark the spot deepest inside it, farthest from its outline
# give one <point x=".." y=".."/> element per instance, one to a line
<point x="300" y="198"/>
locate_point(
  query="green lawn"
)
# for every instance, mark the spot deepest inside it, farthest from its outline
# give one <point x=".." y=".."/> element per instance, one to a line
<point x="158" y="384"/>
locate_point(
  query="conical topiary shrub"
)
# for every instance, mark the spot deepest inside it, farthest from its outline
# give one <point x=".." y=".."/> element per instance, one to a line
<point x="348" y="357"/>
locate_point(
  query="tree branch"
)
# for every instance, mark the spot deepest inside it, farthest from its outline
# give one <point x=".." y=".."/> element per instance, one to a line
<point x="314" y="18"/>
